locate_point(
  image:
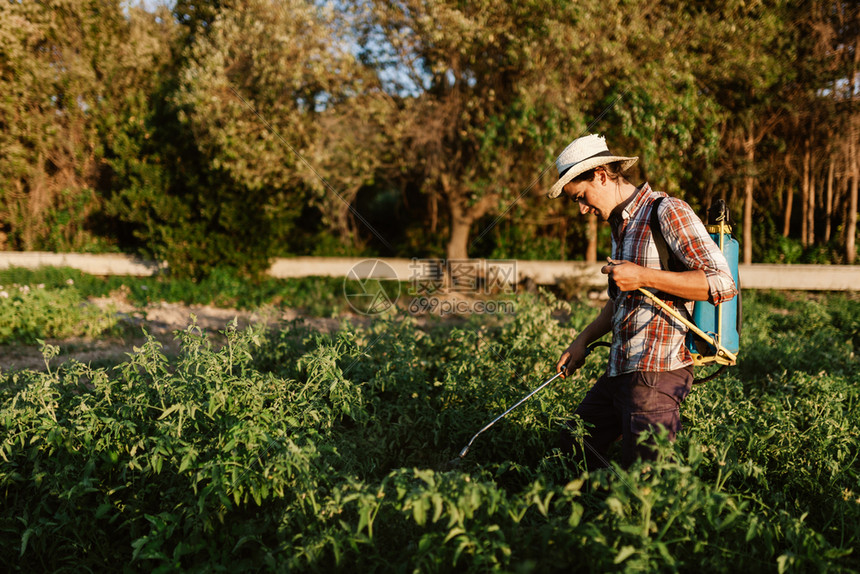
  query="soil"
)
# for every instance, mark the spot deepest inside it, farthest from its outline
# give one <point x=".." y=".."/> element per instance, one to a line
<point x="161" y="320"/>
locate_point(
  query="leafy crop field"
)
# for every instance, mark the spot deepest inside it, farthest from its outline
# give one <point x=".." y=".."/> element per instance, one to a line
<point x="291" y="450"/>
<point x="50" y="302"/>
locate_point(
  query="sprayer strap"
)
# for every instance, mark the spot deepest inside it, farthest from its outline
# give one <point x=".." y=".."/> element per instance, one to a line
<point x="668" y="260"/>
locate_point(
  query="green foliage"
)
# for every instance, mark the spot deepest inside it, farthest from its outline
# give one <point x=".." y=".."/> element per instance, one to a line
<point x="220" y="134"/>
<point x="225" y="287"/>
<point x="523" y="241"/>
<point x="801" y="336"/>
<point x="257" y="104"/>
<point x="70" y="73"/>
<point x="292" y="450"/>
<point x="771" y="246"/>
<point x="54" y="278"/>
<point x="28" y="314"/>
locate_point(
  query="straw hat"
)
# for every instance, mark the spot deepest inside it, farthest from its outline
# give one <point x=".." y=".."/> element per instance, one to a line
<point x="581" y="155"/>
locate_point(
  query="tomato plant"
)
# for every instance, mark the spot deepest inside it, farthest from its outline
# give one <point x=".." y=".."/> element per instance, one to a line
<point x="288" y="449"/>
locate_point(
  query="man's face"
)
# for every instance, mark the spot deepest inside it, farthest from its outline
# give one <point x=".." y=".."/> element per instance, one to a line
<point x="592" y="196"/>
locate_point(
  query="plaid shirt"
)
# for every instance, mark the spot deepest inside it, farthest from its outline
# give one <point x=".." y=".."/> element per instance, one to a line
<point x="644" y="337"/>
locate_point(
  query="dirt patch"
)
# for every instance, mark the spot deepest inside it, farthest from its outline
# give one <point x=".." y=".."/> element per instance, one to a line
<point x="161" y="320"/>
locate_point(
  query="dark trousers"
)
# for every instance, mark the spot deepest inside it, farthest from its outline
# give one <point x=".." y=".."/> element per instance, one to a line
<point x="625" y="406"/>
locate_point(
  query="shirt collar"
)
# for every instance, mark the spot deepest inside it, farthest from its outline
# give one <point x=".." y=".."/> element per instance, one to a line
<point x="625" y="210"/>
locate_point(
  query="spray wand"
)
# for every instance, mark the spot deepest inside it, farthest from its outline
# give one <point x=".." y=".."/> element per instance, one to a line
<point x="563" y="371"/>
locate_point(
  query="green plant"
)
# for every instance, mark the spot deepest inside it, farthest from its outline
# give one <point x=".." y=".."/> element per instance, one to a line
<point x="288" y="449"/>
<point x="224" y="287"/>
<point x="28" y="314"/>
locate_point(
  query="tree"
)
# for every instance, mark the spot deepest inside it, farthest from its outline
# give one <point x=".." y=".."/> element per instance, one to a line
<point x="48" y="149"/>
<point x="817" y="133"/>
<point x="743" y="52"/>
<point x="76" y="76"/>
<point x="223" y="132"/>
<point x="495" y="95"/>
<point x="493" y="91"/>
<point x="278" y="109"/>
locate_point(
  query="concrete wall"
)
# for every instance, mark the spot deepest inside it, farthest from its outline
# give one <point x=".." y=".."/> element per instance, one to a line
<point x="101" y="264"/>
<point x="756" y="276"/>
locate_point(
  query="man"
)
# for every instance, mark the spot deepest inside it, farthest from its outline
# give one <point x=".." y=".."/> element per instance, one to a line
<point x="650" y="369"/>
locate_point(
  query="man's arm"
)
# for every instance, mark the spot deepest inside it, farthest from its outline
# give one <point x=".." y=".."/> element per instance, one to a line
<point x="709" y="278"/>
<point x="688" y="238"/>
<point x="689" y="285"/>
<point x="574" y="356"/>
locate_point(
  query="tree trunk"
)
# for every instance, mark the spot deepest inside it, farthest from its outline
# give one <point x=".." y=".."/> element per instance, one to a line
<point x="347" y="227"/>
<point x="462" y="218"/>
<point x="810" y="213"/>
<point x="591" y="250"/>
<point x="851" y="225"/>
<point x="779" y="191"/>
<point x="749" y="150"/>
<point x="828" y="202"/>
<point x="845" y="199"/>
<point x="804" y="198"/>
<point x="434" y="212"/>
<point x="789" y="204"/>
<point x="853" y="160"/>
<point x="709" y="194"/>
<point x="458" y="240"/>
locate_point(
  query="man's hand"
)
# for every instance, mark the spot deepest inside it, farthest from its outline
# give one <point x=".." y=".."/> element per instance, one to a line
<point x="690" y="285"/>
<point x="628" y="276"/>
<point x="571" y="359"/>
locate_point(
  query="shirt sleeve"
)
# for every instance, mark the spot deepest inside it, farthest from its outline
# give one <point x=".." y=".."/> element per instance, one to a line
<point x="689" y="240"/>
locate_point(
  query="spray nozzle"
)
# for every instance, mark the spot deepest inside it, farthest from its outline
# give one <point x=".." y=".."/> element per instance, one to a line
<point x="719" y="213"/>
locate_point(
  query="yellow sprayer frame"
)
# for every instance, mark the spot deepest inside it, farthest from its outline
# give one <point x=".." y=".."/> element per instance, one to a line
<point x="723" y="356"/>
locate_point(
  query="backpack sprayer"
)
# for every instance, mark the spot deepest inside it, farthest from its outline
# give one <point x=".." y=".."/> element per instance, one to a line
<point x="714" y="331"/>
